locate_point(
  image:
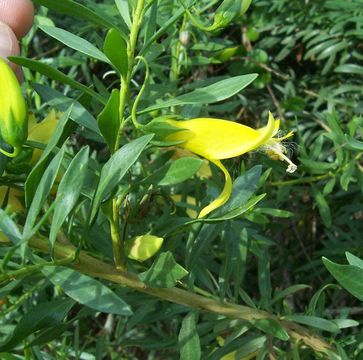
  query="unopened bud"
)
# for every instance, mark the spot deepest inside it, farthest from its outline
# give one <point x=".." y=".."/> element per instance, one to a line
<point x="184" y="38"/>
<point x="143" y="247"/>
<point x="13" y="110"/>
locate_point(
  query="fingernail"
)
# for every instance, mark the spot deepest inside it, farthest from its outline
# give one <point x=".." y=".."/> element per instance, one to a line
<point x="6" y="43"/>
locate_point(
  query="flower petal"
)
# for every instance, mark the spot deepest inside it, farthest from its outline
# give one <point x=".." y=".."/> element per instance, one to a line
<point x="224" y="195"/>
<point x="220" y="139"/>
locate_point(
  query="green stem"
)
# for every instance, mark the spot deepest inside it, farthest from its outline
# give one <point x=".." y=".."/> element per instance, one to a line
<point x="31" y="269"/>
<point x="125" y="82"/>
<point x="117" y="240"/>
<point x="175" y="66"/>
<point x="19" y="301"/>
<point x="138" y="97"/>
<point x="308" y="179"/>
<point x="116" y="237"/>
<point x="25" y="271"/>
<point x="13" y="154"/>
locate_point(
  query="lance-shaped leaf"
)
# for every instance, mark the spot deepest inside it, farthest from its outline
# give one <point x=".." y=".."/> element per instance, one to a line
<point x="115" y="169"/>
<point x="68" y="191"/>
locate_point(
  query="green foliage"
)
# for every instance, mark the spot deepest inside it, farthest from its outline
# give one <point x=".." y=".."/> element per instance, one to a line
<point x="349" y="276"/>
<point x="258" y="277"/>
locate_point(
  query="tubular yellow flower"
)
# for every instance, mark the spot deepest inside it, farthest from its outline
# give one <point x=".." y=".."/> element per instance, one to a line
<point x="216" y="139"/>
<point x="13" y="110"/>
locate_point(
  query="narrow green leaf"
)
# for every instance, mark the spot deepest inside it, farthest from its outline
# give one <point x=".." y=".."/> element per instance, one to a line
<point x="176" y="172"/>
<point x="109" y="120"/>
<point x="56" y="75"/>
<point x="123" y="8"/>
<point x="225" y="13"/>
<point x="218" y="91"/>
<point x="48" y="335"/>
<point x="8" y="288"/>
<point x="9" y="228"/>
<point x="243" y="188"/>
<point x="354" y="260"/>
<point x="189" y="343"/>
<point x="164" y="272"/>
<point x="313" y="304"/>
<point x="161" y="31"/>
<point x="151" y="22"/>
<point x="354" y="144"/>
<point x="329" y="186"/>
<point x="333" y="49"/>
<point x="115" y="169"/>
<point x="323" y="207"/>
<point x="271" y="327"/>
<point x="319" y="48"/>
<point x="239" y="348"/>
<point x="348" y="174"/>
<point x="45" y="185"/>
<point x="80" y="11"/>
<point x="79" y="114"/>
<point x="68" y="192"/>
<point x="75" y="42"/>
<point x="345" y="323"/>
<point x="288" y="291"/>
<point x="238" y="211"/>
<point x="238" y="235"/>
<point x="34" y="177"/>
<point x="348" y="276"/>
<point x="315" y="322"/>
<point x="349" y="69"/>
<point x="275" y="212"/>
<point x="86" y="290"/>
<point x="41" y="316"/>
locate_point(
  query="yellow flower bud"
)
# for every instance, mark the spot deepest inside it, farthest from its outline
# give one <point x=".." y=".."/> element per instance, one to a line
<point x="13" y="110"/>
<point x="143" y="247"/>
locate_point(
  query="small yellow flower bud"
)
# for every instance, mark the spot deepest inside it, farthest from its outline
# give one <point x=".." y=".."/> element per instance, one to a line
<point x="13" y="110"/>
<point x="143" y="247"/>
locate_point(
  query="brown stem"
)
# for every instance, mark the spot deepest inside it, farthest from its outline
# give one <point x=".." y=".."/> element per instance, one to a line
<point x="87" y="264"/>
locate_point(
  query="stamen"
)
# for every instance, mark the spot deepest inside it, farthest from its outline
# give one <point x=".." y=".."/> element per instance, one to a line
<point x="278" y="150"/>
<point x="292" y="167"/>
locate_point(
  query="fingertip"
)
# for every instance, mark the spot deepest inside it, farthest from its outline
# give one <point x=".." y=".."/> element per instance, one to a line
<point x="18" y="15"/>
<point x="9" y="47"/>
<point x="8" y="42"/>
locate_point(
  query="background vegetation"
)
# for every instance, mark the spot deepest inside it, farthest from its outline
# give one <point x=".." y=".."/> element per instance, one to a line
<point x="262" y="252"/>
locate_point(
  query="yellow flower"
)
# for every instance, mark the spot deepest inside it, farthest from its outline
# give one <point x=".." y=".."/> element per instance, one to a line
<point x="216" y="139"/>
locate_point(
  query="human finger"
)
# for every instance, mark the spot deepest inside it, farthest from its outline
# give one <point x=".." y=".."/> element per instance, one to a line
<point x="8" y="42"/>
<point x="18" y="15"/>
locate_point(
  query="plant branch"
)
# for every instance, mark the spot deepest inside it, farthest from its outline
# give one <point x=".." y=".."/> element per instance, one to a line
<point x="97" y="268"/>
<point x="116" y="235"/>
